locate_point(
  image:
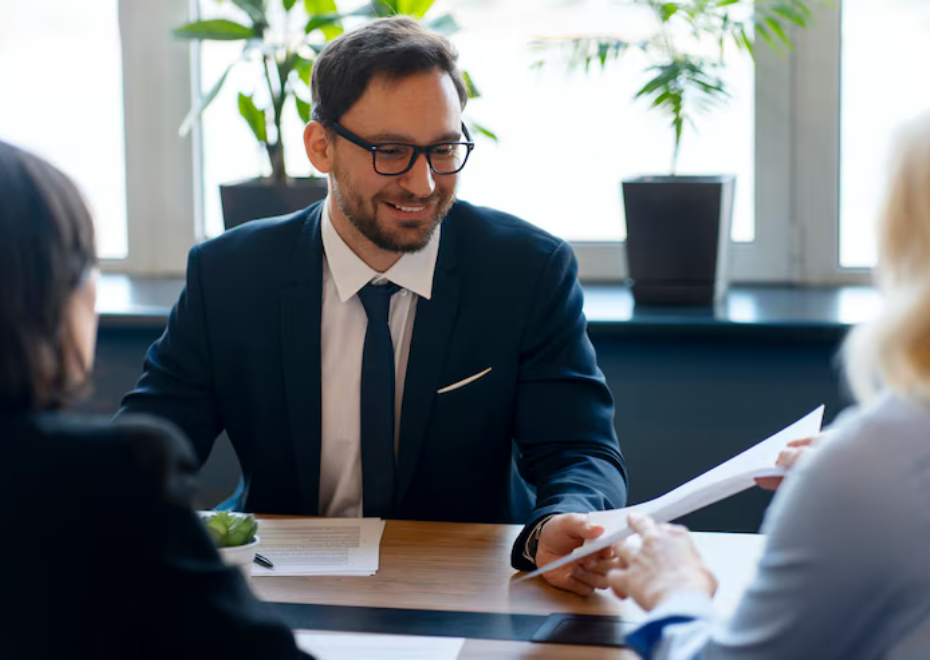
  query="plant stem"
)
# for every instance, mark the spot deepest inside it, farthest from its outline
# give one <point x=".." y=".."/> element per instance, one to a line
<point x="671" y="54"/>
<point x="275" y="149"/>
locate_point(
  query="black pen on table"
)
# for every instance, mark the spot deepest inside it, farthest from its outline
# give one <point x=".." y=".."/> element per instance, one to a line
<point x="261" y="560"/>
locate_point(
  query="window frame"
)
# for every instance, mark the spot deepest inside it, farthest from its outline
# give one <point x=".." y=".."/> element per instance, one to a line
<point x="818" y="82"/>
<point x="797" y="157"/>
<point x="157" y="92"/>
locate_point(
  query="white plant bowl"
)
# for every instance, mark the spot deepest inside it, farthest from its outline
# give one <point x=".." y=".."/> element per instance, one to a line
<point x="241" y="556"/>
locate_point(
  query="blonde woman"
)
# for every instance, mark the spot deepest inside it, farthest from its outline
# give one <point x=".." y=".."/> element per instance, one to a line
<point x="846" y="568"/>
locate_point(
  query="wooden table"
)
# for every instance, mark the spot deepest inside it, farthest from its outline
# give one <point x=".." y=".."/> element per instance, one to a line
<point x="454" y="567"/>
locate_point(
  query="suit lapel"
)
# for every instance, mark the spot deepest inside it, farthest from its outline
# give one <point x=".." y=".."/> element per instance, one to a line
<point x="432" y="335"/>
<point x="301" y="305"/>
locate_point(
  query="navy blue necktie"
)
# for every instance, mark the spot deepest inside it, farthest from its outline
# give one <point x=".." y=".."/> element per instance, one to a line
<point x="377" y="409"/>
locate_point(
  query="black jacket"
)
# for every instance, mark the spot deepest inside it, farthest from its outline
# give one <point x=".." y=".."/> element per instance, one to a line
<point x="101" y="555"/>
<point x="242" y="354"/>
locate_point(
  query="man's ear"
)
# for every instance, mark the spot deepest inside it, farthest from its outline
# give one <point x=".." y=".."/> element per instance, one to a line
<point x="319" y="146"/>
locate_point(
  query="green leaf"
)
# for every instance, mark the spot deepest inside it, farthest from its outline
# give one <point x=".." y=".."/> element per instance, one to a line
<point x="777" y="29"/>
<point x="667" y="10"/>
<point x="321" y="7"/>
<point x="483" y="130"/>
<point x="385" y="8"/>
<point x="303" y="109"/>
<point x="205" y="100"/>
<point x="415" y="8"/>
<point x="603" y="50"/>
<point x="661" y="99"/>
<point x="304" y="69"/>
<point x="321" y="21"/>
<point x="746" y="41"/>
<point x="801" y="7"/>
<point x="254" y="10"/>
<point x="219" y="29"/>
<point x="332" y="31"/>
<point x="445" y="24"/>
<point x="764" y="33"/>
<point x="324" y="16"/>
<point x="473" y="92"/>
<point x="790" y="13"/>
<point x="254" y="117"/>
<point x="666" y="77"/>
<point x="289" y="4"/>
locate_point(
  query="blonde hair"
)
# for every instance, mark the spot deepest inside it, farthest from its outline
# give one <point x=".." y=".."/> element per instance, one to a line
<point x="893" y="352"/>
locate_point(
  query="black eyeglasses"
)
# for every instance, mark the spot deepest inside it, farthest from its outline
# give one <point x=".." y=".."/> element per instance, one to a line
<point x="396" y="158"/>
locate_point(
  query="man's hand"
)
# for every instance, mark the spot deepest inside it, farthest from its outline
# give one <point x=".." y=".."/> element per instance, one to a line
<point x="560" y="535"/>
<point x="666" y="562"/>
<point x="789" y="457"/>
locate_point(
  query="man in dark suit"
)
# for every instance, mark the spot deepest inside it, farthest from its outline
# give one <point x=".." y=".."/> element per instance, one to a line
<point x="390" y="351"/>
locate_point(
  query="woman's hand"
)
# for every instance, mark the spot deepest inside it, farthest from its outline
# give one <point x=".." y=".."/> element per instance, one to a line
<point x="789" y="457"/>
<point x="665" y="563"/>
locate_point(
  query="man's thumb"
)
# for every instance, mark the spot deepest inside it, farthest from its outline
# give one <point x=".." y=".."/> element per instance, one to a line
<point x="590" y="531"/>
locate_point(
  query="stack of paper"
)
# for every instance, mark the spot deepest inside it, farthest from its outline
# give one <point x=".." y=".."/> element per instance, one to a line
<point x="727" y="479"/>
<point x="320" y="546"/>
<point x="339" y="646"/>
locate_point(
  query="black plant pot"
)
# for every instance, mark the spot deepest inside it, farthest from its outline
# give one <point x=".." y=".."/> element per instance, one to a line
<point x="678" y="228"/>
<point x="262" y="198"/>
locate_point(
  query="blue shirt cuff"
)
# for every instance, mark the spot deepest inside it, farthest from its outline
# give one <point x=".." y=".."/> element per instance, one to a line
<point x="644" y="638"/>
<point x="683" y="607"/>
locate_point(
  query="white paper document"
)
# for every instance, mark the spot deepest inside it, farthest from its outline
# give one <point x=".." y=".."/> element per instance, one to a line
<point x="320" y="546"/>
<point x="340" y="646"/>
<point x="727" y="479"/>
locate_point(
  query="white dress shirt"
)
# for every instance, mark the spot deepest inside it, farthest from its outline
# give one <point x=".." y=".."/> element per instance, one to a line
<point x="343" y="327"/>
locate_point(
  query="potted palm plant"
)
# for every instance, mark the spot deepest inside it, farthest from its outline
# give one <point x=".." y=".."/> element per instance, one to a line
<point x="678" y="227"/>
<point x="281" y="39"/>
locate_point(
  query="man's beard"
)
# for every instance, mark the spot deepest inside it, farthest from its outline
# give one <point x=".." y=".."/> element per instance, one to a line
<point x="353" y="206"/>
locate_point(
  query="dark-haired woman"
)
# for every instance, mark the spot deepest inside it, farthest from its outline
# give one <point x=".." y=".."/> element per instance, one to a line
<point x="101" y="555"/>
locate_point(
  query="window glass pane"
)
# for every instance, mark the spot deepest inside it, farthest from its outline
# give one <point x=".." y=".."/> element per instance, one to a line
<point x="566" y="140"/>
<point x="62" y="87"/>
<point x="884" y="44"/>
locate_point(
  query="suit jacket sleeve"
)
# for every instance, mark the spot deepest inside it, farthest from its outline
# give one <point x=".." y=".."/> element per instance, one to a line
<point x="198" y="607"/>
<point x="177" y="380"/>
<point x="564" y="412"/>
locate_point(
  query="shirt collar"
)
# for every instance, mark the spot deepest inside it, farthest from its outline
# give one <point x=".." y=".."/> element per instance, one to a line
<point x="413" y="271"/>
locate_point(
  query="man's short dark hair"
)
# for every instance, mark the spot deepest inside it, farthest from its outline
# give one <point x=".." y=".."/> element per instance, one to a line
<point x="395" y="47"/>
<point x="46" y="252"/>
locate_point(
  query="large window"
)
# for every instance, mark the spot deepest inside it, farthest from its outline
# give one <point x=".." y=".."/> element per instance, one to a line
<point x="565" y="140"/>
<point x="807" y="133"/>
<point x="886" y="46"/>
<point x="62" y="87"/>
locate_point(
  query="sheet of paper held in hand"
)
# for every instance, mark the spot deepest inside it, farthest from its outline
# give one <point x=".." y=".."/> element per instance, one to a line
<point x="339" y="646"/>
<point x="320" y="546"/>
<point x="727" y="479"/>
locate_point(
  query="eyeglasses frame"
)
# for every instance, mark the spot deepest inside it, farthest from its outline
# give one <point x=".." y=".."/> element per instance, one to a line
<point x="373" y="147"/>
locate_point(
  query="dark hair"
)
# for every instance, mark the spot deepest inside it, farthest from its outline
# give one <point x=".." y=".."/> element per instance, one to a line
<point x="46" y="250"/>
<point x="396" y="47"/>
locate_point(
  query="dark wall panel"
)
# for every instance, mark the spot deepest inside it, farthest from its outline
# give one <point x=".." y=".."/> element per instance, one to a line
<point x="686" y="400"/>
